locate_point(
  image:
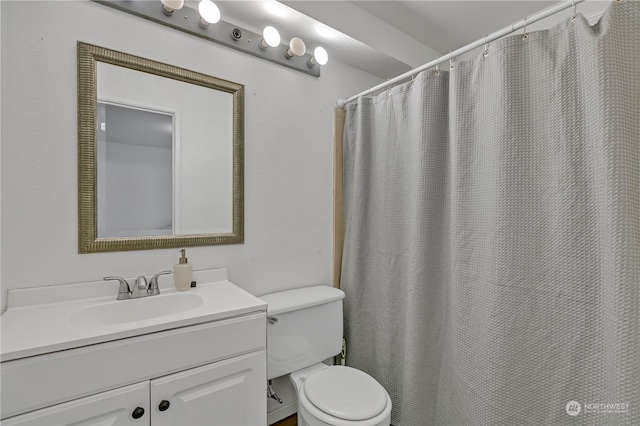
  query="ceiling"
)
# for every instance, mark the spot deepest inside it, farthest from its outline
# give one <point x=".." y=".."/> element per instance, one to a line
<point x="387" y="38"/>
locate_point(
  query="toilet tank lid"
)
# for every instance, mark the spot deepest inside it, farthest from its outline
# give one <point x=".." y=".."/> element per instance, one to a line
<point x="300" y="298"/>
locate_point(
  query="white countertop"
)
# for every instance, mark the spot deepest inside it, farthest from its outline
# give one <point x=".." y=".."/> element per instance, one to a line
<point x="39" y="320"/>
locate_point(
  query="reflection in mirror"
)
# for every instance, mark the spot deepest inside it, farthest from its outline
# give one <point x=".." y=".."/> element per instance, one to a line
<point x="160" y="155"/>
<point x="135" y="169"/>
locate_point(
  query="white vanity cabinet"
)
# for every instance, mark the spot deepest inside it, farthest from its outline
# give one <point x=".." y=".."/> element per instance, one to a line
<point x="225" y="393"/>
<point x="203" y="367"/>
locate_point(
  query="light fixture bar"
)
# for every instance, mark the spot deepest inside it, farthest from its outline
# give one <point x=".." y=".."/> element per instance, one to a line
<point x="188" y="21"/>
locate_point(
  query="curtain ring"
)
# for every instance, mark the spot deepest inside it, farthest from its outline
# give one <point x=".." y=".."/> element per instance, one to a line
<point x="486" y="47"/>
<point x="525" y="35"/>
<point x="573" y="3"/>
<point x="437" y="69"/>
<point x="450" y="63"/>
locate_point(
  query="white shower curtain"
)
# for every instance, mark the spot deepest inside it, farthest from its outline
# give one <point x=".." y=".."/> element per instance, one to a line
<point x="492" y="246"/>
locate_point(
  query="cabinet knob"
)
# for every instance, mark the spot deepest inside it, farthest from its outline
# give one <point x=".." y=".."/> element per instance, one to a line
<point x="164" y="405"/>
<point x="137" y="413"/>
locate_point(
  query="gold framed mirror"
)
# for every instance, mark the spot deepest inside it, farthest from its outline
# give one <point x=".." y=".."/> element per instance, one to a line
<point x="160" y="155"/>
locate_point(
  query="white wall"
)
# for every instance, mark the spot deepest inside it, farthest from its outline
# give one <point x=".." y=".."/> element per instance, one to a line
<point x="132" y="208"/>
<point x="288" y="152"/>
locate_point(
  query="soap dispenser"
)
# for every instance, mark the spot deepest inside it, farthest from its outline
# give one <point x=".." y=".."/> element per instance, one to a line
<point x="182" y="272"/>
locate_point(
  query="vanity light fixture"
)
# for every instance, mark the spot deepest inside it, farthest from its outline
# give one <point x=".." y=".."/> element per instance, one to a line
<point x="296" y="48"/>
<point x="196" y="21"/>
<point x="209" y="13"/>
<point x="320" y="56"/>
<point x="270" y="37"/>
<point x="168" y="6"/>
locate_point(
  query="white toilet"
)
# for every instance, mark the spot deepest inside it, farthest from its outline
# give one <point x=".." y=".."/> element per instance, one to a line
<point x="304" y="329"/>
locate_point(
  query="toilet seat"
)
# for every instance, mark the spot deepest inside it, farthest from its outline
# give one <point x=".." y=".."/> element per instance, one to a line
<point x="313" y="416"/>
<point x="345" y="393"/>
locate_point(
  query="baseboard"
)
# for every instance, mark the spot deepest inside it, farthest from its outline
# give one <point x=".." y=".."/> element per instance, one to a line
<point x="282" y="412"/>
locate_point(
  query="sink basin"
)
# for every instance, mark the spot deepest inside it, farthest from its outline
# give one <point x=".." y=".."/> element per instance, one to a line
<point x="127" y="311"/>
<point x="54" y="318"/>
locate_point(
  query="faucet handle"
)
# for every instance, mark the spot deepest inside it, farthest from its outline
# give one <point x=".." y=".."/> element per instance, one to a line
<point x="153" y="284"/>
<point x="124" y="292"/>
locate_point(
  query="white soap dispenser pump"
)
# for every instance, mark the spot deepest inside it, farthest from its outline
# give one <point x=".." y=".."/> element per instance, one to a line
<point x="182" y="272"/>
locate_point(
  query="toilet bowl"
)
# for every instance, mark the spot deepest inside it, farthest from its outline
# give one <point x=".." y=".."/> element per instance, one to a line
<point x="304" y="329"/>
<point x="339" y="396"/>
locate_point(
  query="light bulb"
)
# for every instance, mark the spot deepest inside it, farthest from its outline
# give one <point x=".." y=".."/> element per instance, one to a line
<point x="209" y="12"/>
<point x="296" y="48"/>
<point x="168" y="6"/>
<point x="320" y="56"/>
<point x="270" y="37"/>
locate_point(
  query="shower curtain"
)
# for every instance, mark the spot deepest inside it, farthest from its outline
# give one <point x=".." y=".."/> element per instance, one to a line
<point x="492" y="245"/>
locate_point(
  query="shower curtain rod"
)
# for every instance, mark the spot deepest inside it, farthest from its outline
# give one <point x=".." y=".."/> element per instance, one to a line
<point x="485" y="40"/>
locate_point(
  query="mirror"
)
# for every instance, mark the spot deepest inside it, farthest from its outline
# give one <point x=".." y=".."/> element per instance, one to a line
<point x="160" y="155"/>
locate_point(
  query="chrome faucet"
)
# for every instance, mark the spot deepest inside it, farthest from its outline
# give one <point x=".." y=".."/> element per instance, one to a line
<point x="140" y="289"/>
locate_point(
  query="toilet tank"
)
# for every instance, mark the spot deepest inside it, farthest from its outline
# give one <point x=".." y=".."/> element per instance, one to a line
<point x="304" y="327"/>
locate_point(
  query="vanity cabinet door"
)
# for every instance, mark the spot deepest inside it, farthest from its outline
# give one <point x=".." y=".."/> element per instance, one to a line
<point x="230" y="392"/>
<point x="126" y="406"/>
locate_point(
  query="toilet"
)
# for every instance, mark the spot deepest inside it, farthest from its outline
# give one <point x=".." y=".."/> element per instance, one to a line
<point x="305" y="328"/>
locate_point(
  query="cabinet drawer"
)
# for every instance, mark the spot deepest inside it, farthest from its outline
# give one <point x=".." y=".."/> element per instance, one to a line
<point x="40" y="381"/>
